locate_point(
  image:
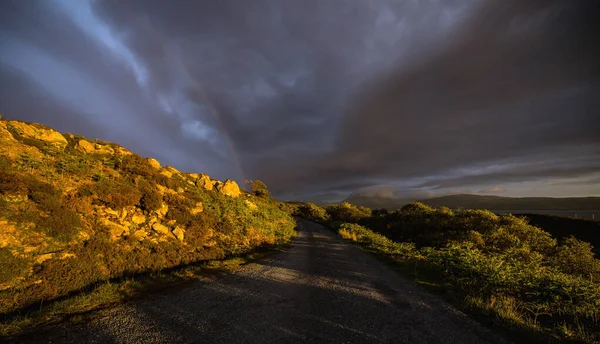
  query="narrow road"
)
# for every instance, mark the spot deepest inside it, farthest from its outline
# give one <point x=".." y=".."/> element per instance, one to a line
<point x="321" y="290"/>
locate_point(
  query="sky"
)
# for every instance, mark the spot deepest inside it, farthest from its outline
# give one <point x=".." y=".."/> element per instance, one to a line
<point x="322" y="99"/>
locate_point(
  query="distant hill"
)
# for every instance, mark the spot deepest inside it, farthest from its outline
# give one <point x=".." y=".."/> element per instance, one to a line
<point x="513" y="203"/>
<point x="377" y="202"/>
<point x="485" y="202"/>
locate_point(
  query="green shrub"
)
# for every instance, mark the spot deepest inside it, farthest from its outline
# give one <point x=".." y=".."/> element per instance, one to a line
<point x="259" y="189"/>
<point x="151" y="200"/>
<point x="312" y="212"/>
<point x="575" y="257"/>
<point x="115" y="194"/>
<point x="61" y="223"/>
<point x="179" y="208"/>
<point x="347" y="212"/>
<point x="135" y="165"/>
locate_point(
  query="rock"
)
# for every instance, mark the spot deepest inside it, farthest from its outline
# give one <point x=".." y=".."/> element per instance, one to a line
<point x="229" y="188"/>
<point x="204" y="182"/>
<point x="166" y="173"/>
<point x="154" y="163"/>
<point x="172" y="169"/>
<point x="138" y="219"/>
<point x="123" y="215"/>
<point x="43" y="257"/>
<point x="160" y="228"/>
<point x="197" y="209"/>
<point x="163" y="210"/>
<point x="85" y="146"/>
<point x="172" y="222"/>
<point x="140" y="234"/>
<point x="153" y="220"/>
<point x="123" y="151"/>
<point x="38" y="132"/>
<point x="250" y="205"/>
<point x="180" y="189"/>
<point x="115" y="230"/>
<point x="67" y="255"/>
<point x="112" y="212"/>
<point x="179" y="233"/>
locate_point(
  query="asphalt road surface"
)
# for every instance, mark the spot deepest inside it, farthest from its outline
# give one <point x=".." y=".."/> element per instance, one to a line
<point x="321" y="290"/>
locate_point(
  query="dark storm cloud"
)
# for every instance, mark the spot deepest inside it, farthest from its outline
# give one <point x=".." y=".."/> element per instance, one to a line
<point x="320" y="98"/>
<point x="517" y="82"/>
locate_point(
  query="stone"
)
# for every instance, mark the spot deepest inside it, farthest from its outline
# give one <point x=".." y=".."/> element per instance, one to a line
<point x="172" y="169"/>
<point x="138" y="219"/>
<point x="250" y="205"/>
<point x="160" y="228"/>
<point x="123" y="151"/>
<point x="38" y="132"/>
<point x="197" y="209"/>
<point x="180" y="189"/>
<point x="179" y="233"/>
<point x="43" y="257"/>
<point x="115" y="230"/>
<point x="154" y="163"/>
<point x="85" y="146"/>
<point x="112" y="212"/>
<point x="140" y="234"/>
<point x="204" y="182"/>
<point x="229" y="188"/>
<point x="123" y="215"/>
<point x="166" y="173"/>
<point x="172" y="222"/>
<point x="163" y="210"/>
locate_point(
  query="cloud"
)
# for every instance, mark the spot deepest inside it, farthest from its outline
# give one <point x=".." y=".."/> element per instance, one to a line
<point x="319" y="99"/>
<point x="492" y="191"/>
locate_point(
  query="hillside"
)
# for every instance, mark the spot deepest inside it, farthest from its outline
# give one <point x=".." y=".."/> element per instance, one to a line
<point x="466" y="201"/>
<point x="74" y="212"/>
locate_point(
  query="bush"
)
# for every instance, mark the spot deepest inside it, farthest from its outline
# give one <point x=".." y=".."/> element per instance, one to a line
<point x="114" y="194"/>
<point x="347" y="212"/>
<point x="151" y="200"/>
<point x="259" y="189"/>
<point x="575" y="257"/>
<point x="312" y="212"/>
<point x="61" y="223"/>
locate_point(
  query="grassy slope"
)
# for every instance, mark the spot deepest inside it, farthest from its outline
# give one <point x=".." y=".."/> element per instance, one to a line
<point x="71" y="219"/>
<point x="499" y="269"/>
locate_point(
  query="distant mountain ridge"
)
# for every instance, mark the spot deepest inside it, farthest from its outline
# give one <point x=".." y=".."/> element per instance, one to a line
<point x="468" y="201"/>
